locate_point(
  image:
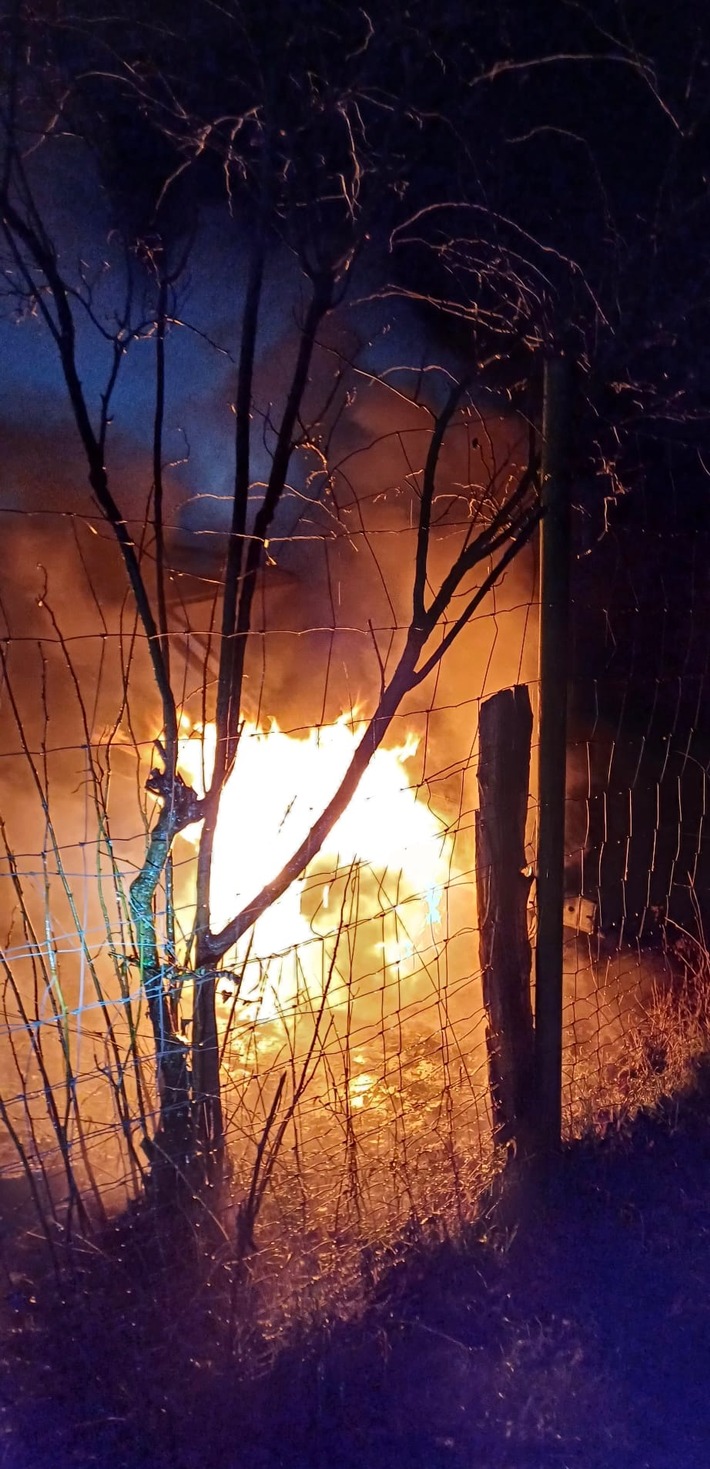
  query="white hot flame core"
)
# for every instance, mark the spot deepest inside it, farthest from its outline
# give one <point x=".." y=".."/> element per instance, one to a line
<point x="377" y="882"/>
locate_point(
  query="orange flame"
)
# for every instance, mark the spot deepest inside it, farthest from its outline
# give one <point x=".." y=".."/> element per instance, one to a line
<point x="375" y="887"/>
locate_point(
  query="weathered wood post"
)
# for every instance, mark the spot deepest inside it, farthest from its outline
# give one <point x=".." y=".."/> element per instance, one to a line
<point x="554" y="640"/>
<point x="505" y="730"/>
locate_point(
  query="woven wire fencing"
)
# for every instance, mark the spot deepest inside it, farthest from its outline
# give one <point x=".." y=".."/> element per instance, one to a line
<point x="351" y="1019"/>
<point x="638" y="761"/>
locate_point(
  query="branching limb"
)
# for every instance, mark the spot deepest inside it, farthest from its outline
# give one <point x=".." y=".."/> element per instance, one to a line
<point x="63" y="330"/>
<point x="520" y="519"/>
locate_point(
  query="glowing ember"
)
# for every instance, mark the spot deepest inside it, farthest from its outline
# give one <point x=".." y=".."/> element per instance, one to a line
<point x="375" y="887"/>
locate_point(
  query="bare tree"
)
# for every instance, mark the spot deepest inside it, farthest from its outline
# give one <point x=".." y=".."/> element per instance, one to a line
<point x="311" y="142"/>
<point x="309" y="138"/>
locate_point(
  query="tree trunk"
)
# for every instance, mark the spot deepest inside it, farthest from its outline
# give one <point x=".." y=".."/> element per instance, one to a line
<point x="206" y="1078"/>
<point x="169" y="1149"/>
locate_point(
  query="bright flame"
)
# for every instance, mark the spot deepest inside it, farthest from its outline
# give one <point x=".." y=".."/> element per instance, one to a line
<point x="375" y="887"/>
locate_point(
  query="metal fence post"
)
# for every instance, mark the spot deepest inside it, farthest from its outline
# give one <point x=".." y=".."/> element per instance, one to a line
<point x="554" y="640"/>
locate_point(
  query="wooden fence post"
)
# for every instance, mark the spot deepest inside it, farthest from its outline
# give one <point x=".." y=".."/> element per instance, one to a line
<point x="505" y="730"/>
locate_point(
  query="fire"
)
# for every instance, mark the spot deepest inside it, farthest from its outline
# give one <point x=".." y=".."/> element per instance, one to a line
<point x="374" y="891"/>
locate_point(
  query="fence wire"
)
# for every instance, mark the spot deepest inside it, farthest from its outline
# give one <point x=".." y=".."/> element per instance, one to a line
<point x="351" y="1020"/>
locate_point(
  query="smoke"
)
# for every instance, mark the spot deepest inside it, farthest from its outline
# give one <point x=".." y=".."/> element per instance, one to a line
<point x="333" y="603"/>
<point x="341" y="549"/>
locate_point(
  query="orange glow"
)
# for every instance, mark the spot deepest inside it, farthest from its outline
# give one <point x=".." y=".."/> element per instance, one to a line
<point x="374" y="889"/>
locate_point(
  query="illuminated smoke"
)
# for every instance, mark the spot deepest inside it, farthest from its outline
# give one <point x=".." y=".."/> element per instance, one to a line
<point x="394" y="888"/>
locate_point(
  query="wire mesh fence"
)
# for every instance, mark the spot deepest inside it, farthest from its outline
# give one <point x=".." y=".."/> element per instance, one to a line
<point x="351" y="1023"/>
<point x="638" y="784"/>
<point x="352" y="1026"/>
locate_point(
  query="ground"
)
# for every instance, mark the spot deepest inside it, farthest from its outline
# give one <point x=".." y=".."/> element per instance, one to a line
<point x="569" y="1329"/>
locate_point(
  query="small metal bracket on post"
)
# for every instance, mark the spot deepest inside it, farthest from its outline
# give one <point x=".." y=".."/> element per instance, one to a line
<point x="580" y="914"/>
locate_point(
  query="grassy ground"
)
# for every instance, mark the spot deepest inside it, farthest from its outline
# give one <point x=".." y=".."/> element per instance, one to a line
<point x="570" y="1328"/>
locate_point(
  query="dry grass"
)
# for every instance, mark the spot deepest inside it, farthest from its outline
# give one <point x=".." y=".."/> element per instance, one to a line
<point x="649" y="1050"/>
<point x="456" y="1339"/>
